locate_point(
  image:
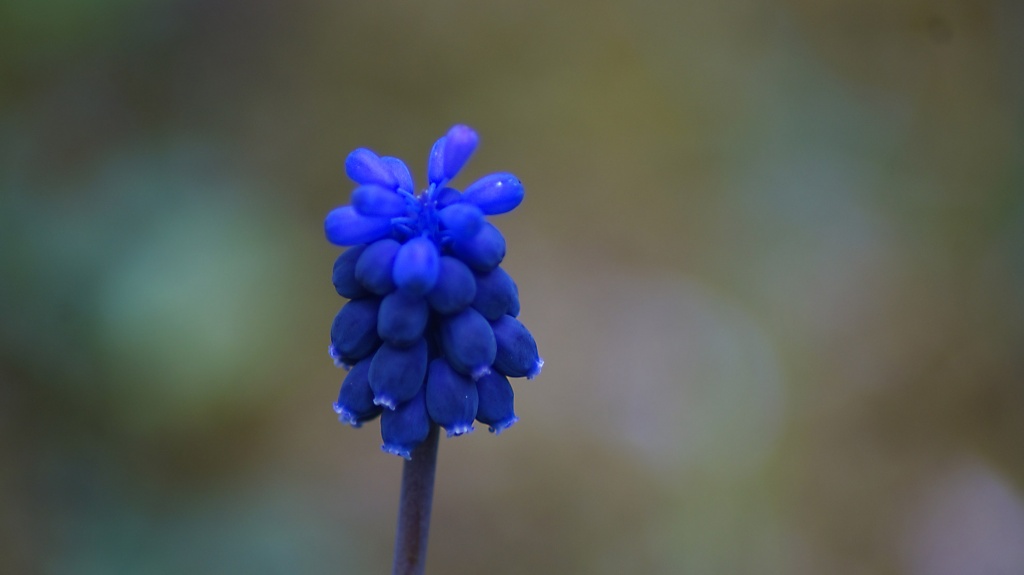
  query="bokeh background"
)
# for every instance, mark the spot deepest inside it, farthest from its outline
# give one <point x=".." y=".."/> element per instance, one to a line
<point x="773" y="254"/>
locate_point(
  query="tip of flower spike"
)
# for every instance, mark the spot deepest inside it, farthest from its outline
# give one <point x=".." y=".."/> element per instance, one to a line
<point x="347" y="417"/>
<point x="536" y="369"/>
<point x="398" y="450"/>
<point x="385" y="401"/>
<point x="461" y="429"/>
<point x="497" y="428"/>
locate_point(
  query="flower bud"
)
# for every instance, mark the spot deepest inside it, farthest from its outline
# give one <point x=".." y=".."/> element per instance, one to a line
<point x="462" y="220"/>
<point x="373" y="269"/>
<point x="364" y="167"/>
<point x="373" y="200"/>
<point x="495" y="294"/>
<point x="354" y="331"/>
<point x="517" y="351"/>
<point x="397" y="373"/>
<point x="455" y="288"/>
<point x="405" y="427"/>
<point x="451" y="398"/>
<point x="482" y="252"/>
<point x="344" y="277"/>
<point x="468" y="342"/>
<point x="345" y="226"/>
<point x="355" y="400"/>
<point x="460" y="142"/>
<point x="402" y="319"/>
<point x="416" y="266"/>
<point x="496" y="402"/>
<point x="495" y="194"/>
<point x="400" y="172"/>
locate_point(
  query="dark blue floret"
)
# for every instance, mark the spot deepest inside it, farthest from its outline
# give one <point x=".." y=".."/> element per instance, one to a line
<point x="496" y="405"/>
<point x="430" y="331"/>
<point x="517" y="351"/>
<point x="405" y="427"/>
<point x="344" y="276"/>
<point x="451" y="398"/>
<point x="468" y="342"/>
<point x="455" y="288"/>
<point x="495" y="294"/>
<point x="354" y="331"/>
<point x="402" y="319"/>
<point x="355" y="400"/>
<point x="396" y="373"/>
<point x="373" y="269"/>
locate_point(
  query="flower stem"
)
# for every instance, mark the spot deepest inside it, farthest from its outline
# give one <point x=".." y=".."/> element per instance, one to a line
<point x="414" y="507"/>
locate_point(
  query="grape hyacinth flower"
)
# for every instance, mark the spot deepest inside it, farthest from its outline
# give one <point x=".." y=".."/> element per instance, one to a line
<point x="430" y="335"/>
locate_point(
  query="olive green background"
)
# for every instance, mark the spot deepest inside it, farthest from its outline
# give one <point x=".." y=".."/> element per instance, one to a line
<point x="772" y="252"/>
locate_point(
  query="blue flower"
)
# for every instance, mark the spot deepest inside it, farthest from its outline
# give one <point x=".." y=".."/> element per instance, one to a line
<point x="430" y="334"/>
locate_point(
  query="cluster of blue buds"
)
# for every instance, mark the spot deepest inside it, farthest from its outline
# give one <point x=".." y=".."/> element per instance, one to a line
<point x="430" y="334"/>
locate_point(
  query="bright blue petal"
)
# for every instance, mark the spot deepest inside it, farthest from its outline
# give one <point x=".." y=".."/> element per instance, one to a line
<point x="401" y="174"/>
<point x="435" y="163"/>
<point x="462" y="220"/>
<point x="417" y="264"/>
<point x="364" y="167"/>
<point x="495" y="194"/>
<point x="345" y="226"/>
<point x="374" y="200"/>
<point x="460" y="142"/>
<point x="482" y="252"/>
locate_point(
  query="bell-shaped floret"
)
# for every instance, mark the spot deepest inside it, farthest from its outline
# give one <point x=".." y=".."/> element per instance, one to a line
<point x="468" y="342"/>
<point x="374" y="266"/>
<point x="354" y="331"/>
<point x="344" y="277"/>
<point x="397" y="373"/>
<point x="373" y="200"/>
<point x="435" y="163"/>
<point x="513" y="308"/>
<point x="345" y="226"/>
<point x="462" y="220"/>
<point x="460" y="142"/>
<point x="455" y="287"/>
<point x="402" y="318"/>
<point x="446" y="197"/>
<point x="495" y="294"/>
<point x="416" y="266"/>
<point x="405" y="427"/>
<point x="364" y="167"/>
<point x="517" y="351"/>
<point x="495" y="194"/>
<point x="400" y="171"/>
<point x="482" y="252"/>
<point x="355" y="400"/>
<point x="451" y="398"/>
<point x="496" y="402"/>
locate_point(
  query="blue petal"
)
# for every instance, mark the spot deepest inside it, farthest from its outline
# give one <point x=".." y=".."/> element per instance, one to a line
<point x="496" y="402"/>
<point x="495" y="294"/>
<point x="396" y="373"/>
<point x="462" y="220"/>
<point x="451" y="398"/>
<point x="495" y="194"/>
<point x="446" y="197"/>
<point x="455" y="288"/>
<point x="416" y="266"/>
<point x="406" y="426"/>
<point x="355" y="400"/>
<point x="373" y="269"/>
<point x="364" y="167"/>
<point x="354" y="331"/>
<point x="460" y="142"/>
<point x="402" y="319"/>
<point x="468" y="342"/>
<point x="517" y="351"/>
<point x="482" y="252"/>
<point x="435" y="163"/>
<point x="345" y="226"/>
<point x="401" y="173"/>
<point x="344" y="277"/>
<point x="373" y="200"/>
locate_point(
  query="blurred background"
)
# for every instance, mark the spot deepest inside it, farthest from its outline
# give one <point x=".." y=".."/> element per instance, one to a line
<point x="773" y="254"/>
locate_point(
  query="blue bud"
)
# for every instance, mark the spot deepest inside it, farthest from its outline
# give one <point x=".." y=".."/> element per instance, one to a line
<point x="402" y="319"/>
<point x="446" y="197"/>
<point x="355" y="400"/>
<point x="405" y="427"/>
<point x="401" y="173"/>
<point x="451" y="398"/>
<point x="373" y="268"/>
<point x="354" y="331"/>
<point x="482" y="252"/>
<point x="416" y="266"/>
<point x="344" y="277"/>
<point x="517" y="351"/>
<point x="364" y="167"/>
<point x="460" y="142"/>
<point x="468" y="342"/>
<point x="495" y="294"/>
<point x="435" y="163"/>
<point x="496" y="402"/>
<point x="345" y="226"/>
<point x="397" y="373"/>
<point x="455" y="287"/>
<point x="513" y="308"/>
<point x="495" y="194"/>
<point x="373" y="200"/>
<point x="463" y="221"/>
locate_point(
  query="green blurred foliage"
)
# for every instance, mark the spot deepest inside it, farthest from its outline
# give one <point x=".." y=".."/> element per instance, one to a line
<point x="773" y="254"/>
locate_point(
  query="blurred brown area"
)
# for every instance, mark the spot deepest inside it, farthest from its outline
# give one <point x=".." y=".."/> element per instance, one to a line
<point x="773" y="254"/>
